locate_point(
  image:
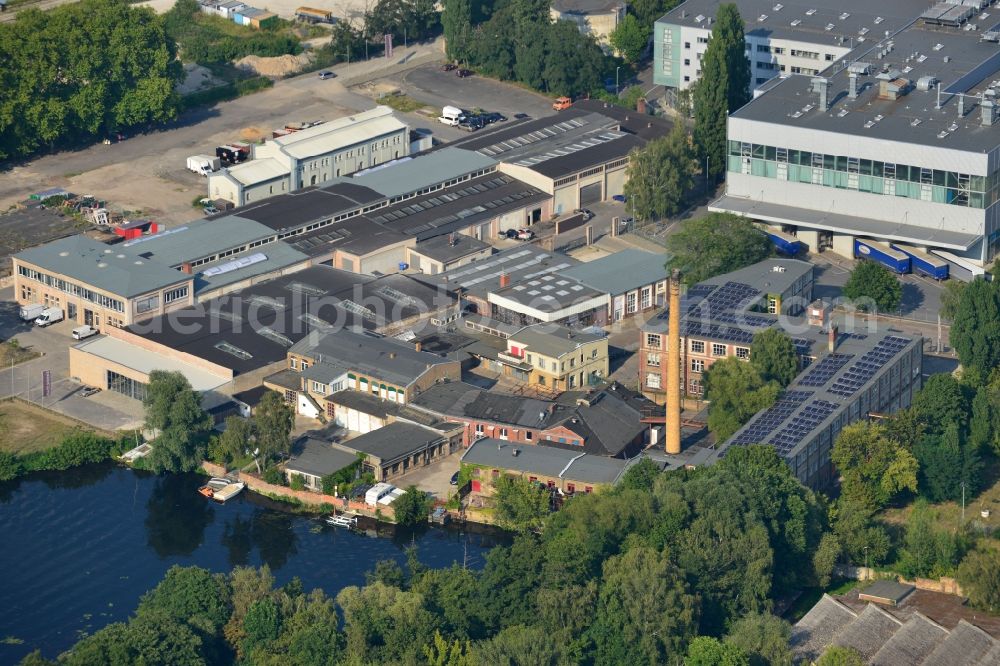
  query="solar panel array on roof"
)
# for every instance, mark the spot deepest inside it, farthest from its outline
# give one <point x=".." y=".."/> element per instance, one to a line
<point x="727" y="302"/>
<point x="824" y="371"/>
<point x="865" y="368"/>
<point x="759" y="429"/>
<point x="715" y="331"/>
<point x="800" y="425"/>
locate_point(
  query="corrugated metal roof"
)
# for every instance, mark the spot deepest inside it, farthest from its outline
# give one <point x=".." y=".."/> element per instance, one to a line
<point x="620" y="272"/>
<point x="432" y="168"/>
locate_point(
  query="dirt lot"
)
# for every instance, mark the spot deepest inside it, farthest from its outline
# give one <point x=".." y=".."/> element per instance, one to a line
<point x="29" y="227"/>
<point x="25" y="428"/>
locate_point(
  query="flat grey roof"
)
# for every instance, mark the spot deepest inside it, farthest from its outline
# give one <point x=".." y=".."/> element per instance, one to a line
<point x="105" y="267"/>
<point x="197" y="239"/>
<point x="553" y="339"/>
<point x="519" y="263"/>
<point x="407" y="175"/>
<point x="276" y="256"/>
<point x="544" y="461"/>
<point x="296" y="209"/>
<point x="958" y="59"/>
<point x="771" y="276"/>
<point x="620" y="272"/>
<point x="812" y="18"/>
<point x="394" y="441"/>
<point x="449" y="247"/>
<point x="549" y="293"/>
<point x="387" y="359"/>
<point x="318" y="458"/>
<point x="830" y="221"/>
<point x="145" y="361"/>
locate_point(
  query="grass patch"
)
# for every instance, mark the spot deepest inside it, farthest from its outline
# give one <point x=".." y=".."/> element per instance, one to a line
<point x="25" y="428"/>
<point x="12" y="353"/>
<point x="402" y="103"/>
<point x="12" y="640"/>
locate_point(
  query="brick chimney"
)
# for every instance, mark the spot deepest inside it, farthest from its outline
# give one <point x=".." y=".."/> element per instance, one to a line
<point x="831" y="338"/>
<point x="672" y="421"/>
<point x="418" y="346"/>
<point x="186" y="267"/>
<point x="504" y="280"/>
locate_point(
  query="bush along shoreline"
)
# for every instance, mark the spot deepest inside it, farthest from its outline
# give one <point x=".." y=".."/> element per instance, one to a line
<point x="76" y="449"/>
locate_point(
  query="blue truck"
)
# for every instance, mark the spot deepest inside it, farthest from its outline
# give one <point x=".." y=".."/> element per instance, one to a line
<point x="894" y="260"/>
<point x="785" y="243"/>
<point x="922" y="262"/>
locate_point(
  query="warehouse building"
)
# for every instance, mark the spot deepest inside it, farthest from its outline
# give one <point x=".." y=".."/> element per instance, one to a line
<point x="313" y="156"/>
<point x="898" y="143"/>
<point x="783" y="38"/>
<point x="862" y="375"/>
<point x="635" y="281"/>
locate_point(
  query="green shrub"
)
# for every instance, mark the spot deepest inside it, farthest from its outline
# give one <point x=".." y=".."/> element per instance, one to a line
<point x="10" y="466"/>
<point x="297" y="482"/>
<point x="79" y="448"/>
<point x="274" y="476"/>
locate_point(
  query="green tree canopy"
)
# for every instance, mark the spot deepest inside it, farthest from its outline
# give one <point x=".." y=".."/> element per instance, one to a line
<point x="273" y="420"/>
<point x="979" y="575"/>
<point x="629" y="39"/>
<point x="735" y="392"/>
<point x="724" y="86"/>
<point x="520" y="504"/>
<point x="708" y="651"/>
<point x="715" y="244"/>
<point x="764" y="637"/>
<point x="456" y="20"/>
<point x="872" y="283"/>
<point x="927" y="551"/>
<point x="660" y="175"/>
<point x="385" y="624"/>
<point x="941" y="403"/>
<point x="773" y="355"/>
<point x="946" y="462"/>
<point x="975" y="328"/>
<point x="173" y="410"/>
<point x="873" y="467"/>
<point x="840" y="656"/>
<point x="236" y="440"/>
<point x="412" y="507"/>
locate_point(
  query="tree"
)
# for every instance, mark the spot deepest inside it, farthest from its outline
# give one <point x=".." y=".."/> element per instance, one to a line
<point x="273" y="422"/>
<point x="173" y="410"/>
<point x="873" y="468"/>
<point x="773" y="355"/>
<point x="975" y="328"/>
<point x="941" y="403"/>
<point x="520" y="504"/>
<point x="927" y="552"/>
<point x="262" y="623"/>
<point x="826" y="557"/>
<point x="384" y="624"/>
<point x="715" y="244"/>
<point x="946" y="463"/>
<point x="983" y="421"/>
<point x="764" y="637"/>
<point x="574" y="62"/>
<point x="979" y="575"/>
<point x="236" y="440"/>
<point x="640" y="476"/>
<point x="456" y="20"/>
<point x="519" y="645"/>
<point x="841" y="656"/>
<point x="629" y="39"/>
<point x="872" y="283"/>
<point x="647" y="11"/>
<point x="412" y="507"/>
<point x="645" y="613"/>
<point x="708" y="651"/>
<point x="660" y="174"/>
<point x="724" y="87"/>
<point x="387" y="572"/>
<point x="864" y="540"/>
<point x="735" y="393"/>
<point x="951" y="296"/>
<point x="191" y="595"/>
<point x="443" y="653"/>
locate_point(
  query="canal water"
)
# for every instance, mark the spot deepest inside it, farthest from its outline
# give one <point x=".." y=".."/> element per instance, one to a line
<point x="79" y="548"/>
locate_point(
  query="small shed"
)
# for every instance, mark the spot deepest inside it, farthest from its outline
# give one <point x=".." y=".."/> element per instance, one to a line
<point x="885" y="592"/>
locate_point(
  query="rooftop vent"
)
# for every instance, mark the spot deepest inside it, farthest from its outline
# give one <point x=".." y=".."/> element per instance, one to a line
<point x="915" y="122"/>
<point x="795" y="23"/>
<point x="844" y="16"/>
<point x="778" y="7"/>
<point x="878" y="19"/>
<point x="829" y="27"/>
<point x="762" y="18"/>
<point x="699" y="18"/>
<point x="810" y="12"/>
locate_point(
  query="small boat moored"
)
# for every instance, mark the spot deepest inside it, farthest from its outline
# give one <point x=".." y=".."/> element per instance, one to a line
<point x="343" y="520"/>
<point x="221" y="489"/>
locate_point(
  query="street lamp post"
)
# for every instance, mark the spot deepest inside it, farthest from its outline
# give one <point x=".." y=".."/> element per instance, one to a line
<point x="616" y="80"/>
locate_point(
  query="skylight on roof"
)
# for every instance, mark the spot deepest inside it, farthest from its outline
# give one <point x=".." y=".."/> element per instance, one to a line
<point x="232" y="349"/>
<point x="357" y="309"/>
<point x="274" y="336"/>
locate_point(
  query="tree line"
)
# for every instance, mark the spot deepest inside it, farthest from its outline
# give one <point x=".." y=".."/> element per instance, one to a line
<point x="83" y="70"/>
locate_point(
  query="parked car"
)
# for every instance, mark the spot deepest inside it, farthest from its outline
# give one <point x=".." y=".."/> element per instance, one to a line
<point x="448" y="66"/>
<point x="462" y="73"/>
<point x="562" y="103"/>
<point x="327" y="74"/>
<point x="510" y="234"/>
<point x="84" y="332"/>
<point x="494" y="117"/>
<point x="587" y="215"/>
<point x="521" y="116"/>
<point x="211" y="210"/>
<point x="525" y="234"/>
<point x="620" y="198"/>
<point x="89" y="391"/>
<point x="454" y="479"/>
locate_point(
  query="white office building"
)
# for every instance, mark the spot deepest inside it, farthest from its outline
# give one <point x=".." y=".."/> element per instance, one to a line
<point x="900" y="142"/>
<point x="784" y="37"/>
<point x="314" y="156"/>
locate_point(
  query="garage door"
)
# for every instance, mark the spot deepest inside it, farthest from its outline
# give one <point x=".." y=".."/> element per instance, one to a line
<point x="590" y="194"/>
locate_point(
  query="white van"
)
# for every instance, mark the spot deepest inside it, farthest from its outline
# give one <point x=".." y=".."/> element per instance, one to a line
<point x="49" y="316"/>
<point x="451" y="115"/>
<point x="31" y="312"/>
<point x="84" y="332"/>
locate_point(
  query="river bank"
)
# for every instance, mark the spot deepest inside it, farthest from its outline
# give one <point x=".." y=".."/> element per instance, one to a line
<point x="83" y="545"/>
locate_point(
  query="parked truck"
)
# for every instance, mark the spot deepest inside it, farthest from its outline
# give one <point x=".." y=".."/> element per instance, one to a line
<point x="49" y="316"/>
<point x="313" y="15"/>
<point x="203" y="164"/>
<point x="31" y="312"/>
<point x="233" y="153"/>
<point x="894" y="260"/>
<point x="785" y="243"/>
<point x="922" y="262"/>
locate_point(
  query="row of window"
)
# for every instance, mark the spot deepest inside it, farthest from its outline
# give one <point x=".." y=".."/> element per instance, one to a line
<point x="72" y="289"/>
<point x="865" y="175"/>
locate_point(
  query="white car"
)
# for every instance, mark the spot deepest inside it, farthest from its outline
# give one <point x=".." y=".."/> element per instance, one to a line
<point x="83" y="332"/>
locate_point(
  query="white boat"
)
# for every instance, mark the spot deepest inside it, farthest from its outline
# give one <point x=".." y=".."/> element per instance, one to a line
<point x="342" y="520"/>
<point x="221" y="489"/>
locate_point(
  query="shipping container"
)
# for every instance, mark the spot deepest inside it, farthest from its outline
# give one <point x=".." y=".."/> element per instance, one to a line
<point x="786" y="243"/>
<point x="894" y="260"/>
<point x="922" y="262"/>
